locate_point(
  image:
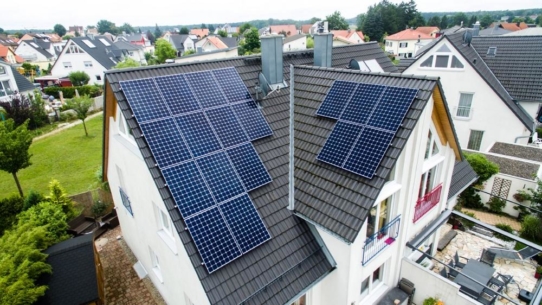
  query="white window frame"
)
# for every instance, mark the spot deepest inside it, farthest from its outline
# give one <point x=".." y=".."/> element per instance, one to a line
<point x="480" y="142"/>
<point x="88" y="64"/>
<point x="373" y="284"/>
<point x="165" y="227"/>
<point x="403" y="45"/>
<point x="67" y="65"/>
<point x="464" y="112"/>
<point x="124" y="129"/>
<point x="3" y="88"/>
<point x="3" y="69"/>
<point x="155" y="263"/>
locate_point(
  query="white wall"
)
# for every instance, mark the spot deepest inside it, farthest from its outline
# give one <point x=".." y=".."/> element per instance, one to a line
<point x="188" y="44"/>
<point x="140" y="231"/>
<point x="338" y="43"/>
<point x="410" y="48"/>
<point x="207" y="56"/>
<point x="488" y="110"/>
<point x="531" y="108"/>
<point x="24" y="50"/>
<point x="77" y="61"/>
<point x="517" y="184"/>
<point x="298" y="44"/>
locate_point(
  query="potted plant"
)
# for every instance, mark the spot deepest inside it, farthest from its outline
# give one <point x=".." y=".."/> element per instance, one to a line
<point x="538" y="272"/>
<point x="433" y="301"/>
<point x="520" y="197"/>
<point x="98" y="209"/>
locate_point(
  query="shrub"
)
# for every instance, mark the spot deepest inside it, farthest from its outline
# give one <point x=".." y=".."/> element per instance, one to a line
<point x="58" y="196"/>
<point x="496" y="204"/>
<point x="469" y="198"/>
<point x="482" y="166"/>
<point x="530" y="228"/>
<point x="99" y="208"/>
<point x="506" y="228"/>
<point x="467" y="223"/>
<point x="32" y="199"/>
<point x="69" y="92"/>
<point x="79" y="78"/>
<point x="24" y="108"/>
<point x="9" y="208"/>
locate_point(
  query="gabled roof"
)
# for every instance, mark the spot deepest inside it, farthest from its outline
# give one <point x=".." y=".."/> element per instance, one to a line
<point x="40" y="46"/>
<point x="293" y="38"/>
<point x="73" y="280"/>
<point x="217" y="42"/>
<point x="305" y="29"/>
<point x="7" y="41"/>
<point x="178" y="40"/>
<point x="347" y="33"/>
<point x="23" y="84"/>
<point x="463" y="176"/>
<point x="293" y="260"/>
<point x="517" y="63"/>
<point x="200" y="32"/>
<point x="510" y="26"/>
<point x="336" y="199"/>
<point x="494" y="31"/>
<point x="124" y="45"/>
<point x="409" y="34"/>
<point x="427" y="29"/>
<point x="476" y="61"/>
<point x="517" y="151"/>
<point x="526" y="32"/>
<point x="510" y="166"/>
<point x="107" y="56"/>
<point x="289" y="29"/>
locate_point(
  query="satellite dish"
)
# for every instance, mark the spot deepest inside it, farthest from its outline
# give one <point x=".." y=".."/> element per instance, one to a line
<point x="467" y="38"/>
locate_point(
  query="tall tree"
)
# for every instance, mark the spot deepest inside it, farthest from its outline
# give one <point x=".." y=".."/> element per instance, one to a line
<point x="461" y="18"/>
<point x="184" y="30"/>
<point x="106" y="26"/>
<point x="373" y="25"/>
<point x="313" y="20"/>
<point x="59" y="29"/>
<point x="79" y="78"/>
<point x="392" y="21"/>
<point x="164" y="50"/>
<point x="336" y="21"/>
<point x="81" y="106"/>
<point x="139" y="30"/>
<point x="203" y="26"/>
<point x="486" y="21"/>
<point x="211" y="28"/>
<point x="359" y="21"/>
<point x="126" y="28"/>
<point x="157" y="32"/>
<point x="444" y="22"/>
<point x="434" y="21"/>
<point x="1" y="31"/>
<point x="417" y="21"/>
<point x="222" y="33"/>
<point x="150" y="36"/>
<point x="472" y="20"/>
<point x="252" y="40"/>
<point x="14" y="145"/>
<point x="244" y="27"/>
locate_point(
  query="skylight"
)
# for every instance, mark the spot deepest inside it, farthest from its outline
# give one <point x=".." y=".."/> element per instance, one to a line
<point x="105" y="42"/>
<point x="34" y="45"/>
<point x="373" y="65"/>
<point x="492" y="51"/>
<point x="88" y="43"/>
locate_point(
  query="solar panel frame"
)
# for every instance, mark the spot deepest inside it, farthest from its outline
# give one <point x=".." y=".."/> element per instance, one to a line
<point x="392" y="108"/>
<point x="145" y="99"/>
<point x="198" y="133"/>
<point x="205" y="89"/>
<point x="249" y="166"/>
<point x="252" y="120"/>
<point x="227" y="127"/>
<point x="363" y="102"/>
<point x="177" y="94"/>
<point x="216" y="170"/>
<point x="165" y="141"/>
<point x="338" y="144"/>
<point x="232" y="85"/>
<point x="336" y="99"/>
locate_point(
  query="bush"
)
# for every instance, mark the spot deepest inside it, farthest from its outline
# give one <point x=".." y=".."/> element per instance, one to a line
<point x="530" y="228"/>
<point x="25" y="108"/>
<point x="99" y="208"/>
<point x="10" y="207"/>
<point x="482" y="166"/>
<point x="32" y="199"/>
<point x="69" y="92"/>
<point x="506" y="228"/>
<point x="79" y="78"/>
<point x="469" y="198"/>
<point x="496" y="204"/>
<point x="467" y="223"/>
<point x="58" y="196"/>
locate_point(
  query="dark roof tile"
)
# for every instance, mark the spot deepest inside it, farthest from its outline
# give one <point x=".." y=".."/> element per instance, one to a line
<point x="463" y="176"/>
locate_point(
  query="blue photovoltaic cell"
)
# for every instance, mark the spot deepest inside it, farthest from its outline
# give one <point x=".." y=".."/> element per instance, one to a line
<point x="213" y="239"/>
<point x="368" y="152"/>
<point x="227" y="127"/>
<point x="188" y="188"/>
<point x="232" y="85"/>
<point x="205" y="88"/>
<point x="220" y="176"/>
<point x="165" y="142"/>
<point x="392" y="108"/>
<point x="338" y="143"/>
<point x="177" y="94"/>
<point x="250" y="168"/>
<point x="198" y="134"/>
<point x="144" y="99"/>
<point x="252" y="119"/>
<point x="336" y="99"/>
<point x="245" y="222"/>
<point x="362" y="103"/>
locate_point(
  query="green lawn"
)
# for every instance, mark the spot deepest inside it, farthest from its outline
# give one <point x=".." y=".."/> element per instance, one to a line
<point x="67" y="156"/>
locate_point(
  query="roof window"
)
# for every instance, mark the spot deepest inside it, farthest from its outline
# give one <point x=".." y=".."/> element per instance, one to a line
<point x="492" y="51"/>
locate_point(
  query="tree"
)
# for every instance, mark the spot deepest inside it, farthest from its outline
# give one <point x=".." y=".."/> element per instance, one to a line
<point x="157" y="32"/>
<point x="151" y="37"/>
<point x="126" y="28"/>
<point x="203" y="26"/>
<point x="310" y="43"/>
<point x="538" y="20"/>
<point x="79" y="78"/>
<point x="14" y="145"/>
<point x="313" y="20"/>
<point x="81" y="106"/>
<point x="59" y="29"/>
<point x="484" y="168"/>
<point x="184" y="30"/>
<point x="534" y="195"/>
<point x="66" y="37"/>
<point x="2" y="31"/>
<point x="373" y="25"/>
<point x="127" y="63"/>
<point x="336" y="21"/>
<point x="77" y="34"/>
<point x="244" y="27"/>
<point x="59" y="197"/>
<point x="434" y="21"/>
<point x="444" y="22"/>
<point x="18" y="34"/>
<point x="164" y="50"/>
<point x="139" y="30"/>
<point x="222" y="33"/>
<point x="485" y="21"/>
<point x="252" y="40"/>
<point x="106" y="26"/>
<point x="461" y="19"/>
<point x="417" y="21"/>
<point x="472" y="20"/>
<point x="211" y="28"/>
<point x="359" y="21"/>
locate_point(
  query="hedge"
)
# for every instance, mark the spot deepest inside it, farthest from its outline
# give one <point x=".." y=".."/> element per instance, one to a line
<point x="69" y="92"/>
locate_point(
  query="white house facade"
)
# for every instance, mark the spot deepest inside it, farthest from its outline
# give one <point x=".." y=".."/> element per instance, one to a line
<point x="295" y="43"/>
<point x="403" y="44"/>
<point x="33" y="52"/>
<point x="11" y="81"/>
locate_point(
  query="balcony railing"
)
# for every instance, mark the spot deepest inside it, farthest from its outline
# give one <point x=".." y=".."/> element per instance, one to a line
<point x="427" y="202"/>
<point x="381" y="240"/>
<point x="126" y="201"/>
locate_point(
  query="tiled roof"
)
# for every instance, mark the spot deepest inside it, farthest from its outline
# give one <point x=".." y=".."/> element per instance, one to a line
<point x="289" y="29"/>
<point x="334" y="198"/>
<point x="23" y="84"/>
<point x="494" y="31"/>
<point x="7" y="41"/>
<point x="513" y="167"/>
<point x="518" y="151"/>
<point x="73" y="280"/>
<point x="292" y="38"/>
<point x="517" y="63"/>
<point x="200" y="32"/>
<point x="409" y="34"/>
<point x="347" y="33"/>
<point x="214" y="40"/>
<point x="462" y="177"/>
<point x="3" y="51"/>
<point x="427" y="29"/>
<point x="510" y="26"/>
<point x="404" y="63"/>
<point x="40" y="46"/>
<point x="124" y="45"/>
<point x="306" y="28"/>
<point x="230" y="42"/>
<point x="178" y="40"/>
<point x="107" y="56"/>
<point x="292" y="260"/>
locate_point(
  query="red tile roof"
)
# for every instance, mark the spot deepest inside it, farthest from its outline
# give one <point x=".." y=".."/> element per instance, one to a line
<point x="200" y="32"/>
<point x="347" y="33"/>
<point x="3" y="51"/>
<point x="306" y="28"/>
<point x="217" y="42"/>
<point x="19" y="59"/>
<point x="427" y="29"/>
<point x="288" y="28"/>
<point x="511" y="26"/>
<point x="408" y="34"/>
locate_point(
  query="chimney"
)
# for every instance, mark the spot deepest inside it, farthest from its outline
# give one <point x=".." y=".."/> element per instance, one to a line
<point x="272" y="58"/>
<point x="419" y="36"/>
<point x="323" y="46"/>
<point x="476" y="29"/>
<point x="199" y="50"/>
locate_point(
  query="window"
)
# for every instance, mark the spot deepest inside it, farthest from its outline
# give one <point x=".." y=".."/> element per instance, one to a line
<point x="2" y="70"/>
<point x="165" y="228"/>
<point x="123" y="192"/>
<point x="124" y="129"/>
<point x="442" y="61"/>
<point x="456" y="63"/>
<point x="98" y="77"/>
<point x="156" y="265"/>
<point x="475" y="139"/>
<point x="428" y="62"/>
<point x="88" y="64"/>
<point x="465" y="104"/>
<point x="67" y="65"/>
<point x="378" y="217"/>
<point x="73" y="49"/>
<point x="492" y="51"/>
<point x="370" y="283"/>
<point x="428" y="182"/>
<point x="5" y="88"/>
<point x="403" y="44"/>
<point x="165" y="223"/>
<point x="431" y="147"/>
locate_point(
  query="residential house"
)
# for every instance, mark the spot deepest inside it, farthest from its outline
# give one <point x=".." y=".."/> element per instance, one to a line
<point x="526" y="32"/>
<point x="494" y="31"/>
<point x="519" y="167"/>
<point x="353" y="36"/>
<point x="93" y="54"/>
<point x="182" y="43"/>
<point x="510" y="26"/>
<point x="227" y="28"/>
<point x="208" y="55"/>
<point x="200" y="33"/>
<point x="7" y="55"/>
<point x="429" y="30"/>
<point x="306" y="29"/>
<point x="403" y="44"/>
<point x="92" y="31"/>
<point x="335" y="237"/>
<point x="285" y="29"/>
<point x="213" y="43"/>
<point x="134" y="52"/>
<point x="56" y="41"/>
<point x="37" y="51"/>
<point x="294" y="43"/>
<point x="75" y="29"/>
<point x="484" y="111"/>
<point x="11" y="81"/>
<point x="7" y="41"/>
<point x="137" y="39"/>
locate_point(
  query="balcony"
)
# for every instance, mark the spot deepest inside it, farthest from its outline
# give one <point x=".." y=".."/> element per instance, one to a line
<point x="427" y="202"/>
<point x="380" y="240"/>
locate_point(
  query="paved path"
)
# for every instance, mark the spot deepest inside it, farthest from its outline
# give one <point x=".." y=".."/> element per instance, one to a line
<point x="122" y="285"/>
<point x="65" y="126"/>
<point x="493" y="219"/>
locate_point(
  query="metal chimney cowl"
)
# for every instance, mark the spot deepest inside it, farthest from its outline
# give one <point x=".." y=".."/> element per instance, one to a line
<point x="323" y="47"/>
<point x="272" y="66"/>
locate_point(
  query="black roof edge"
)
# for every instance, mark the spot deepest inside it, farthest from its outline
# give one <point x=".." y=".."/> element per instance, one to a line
<point x="391" y="74"/>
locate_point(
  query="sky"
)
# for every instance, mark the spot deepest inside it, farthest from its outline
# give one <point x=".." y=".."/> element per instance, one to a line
<point x="39" y="14"/>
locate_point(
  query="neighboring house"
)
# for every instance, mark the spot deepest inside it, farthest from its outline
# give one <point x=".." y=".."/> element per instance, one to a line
<point x="200" y="33"/>
<point x="137" y="39"/>
<point x="77" y="276"/>
<point x="294" y="43"/>
<point x="403" y="44"/>
<point x="494" y="31"/>
<point x="9" y="56"/>
<point x="510" y="26"/>
<point x="7" y="41"/>
<point x="37" y="51"/>
<point x="484" y="112"/>
<point x="227" y="28"/>
<point x="92" y="31"/>
<point x="336" y="237"/>
<point x="93" y="55"/>
<point x="182" y="43"/>
<point x="306" y="29"/>
<point x="11" y="81"/>
<point x="429" y="30"/>
<point x="286" y="30"/>
<point x="75" y="29"/>
<point x="527" y="32"/>
<point x="213" y="43"/>
<point x="341" y="41"/>
<point x="353" y="36"/>
<point x="134" y="52"/>
<point x="209" y="55"/>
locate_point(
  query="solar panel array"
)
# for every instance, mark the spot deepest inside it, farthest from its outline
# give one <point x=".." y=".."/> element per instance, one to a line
<point x="199" y="127"/>
<point x="368" y="117"/>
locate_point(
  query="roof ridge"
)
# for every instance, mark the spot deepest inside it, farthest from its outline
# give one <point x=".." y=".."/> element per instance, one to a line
<point x="389" y="74"/>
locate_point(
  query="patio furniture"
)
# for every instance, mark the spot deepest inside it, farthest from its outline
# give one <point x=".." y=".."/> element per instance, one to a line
<point x="443" y="272"/>
<point x="458" y="263"/>
<point x="487" y="257"/>
<point x="478" y="271"/>
<point x="500" y="281"/>
<point x="524" y="253"/>
<point x="491" y="294"/>
<point x="446" y="239"/>
<point x="403" y="292"/>
<point x="452" y="273"/>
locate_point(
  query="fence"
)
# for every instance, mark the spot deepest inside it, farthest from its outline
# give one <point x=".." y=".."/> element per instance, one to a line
<point x="86" y="200"/>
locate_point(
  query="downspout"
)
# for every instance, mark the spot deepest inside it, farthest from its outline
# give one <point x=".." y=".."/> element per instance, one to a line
<point x="521" y="137"/>
<point x="291" y="185"/>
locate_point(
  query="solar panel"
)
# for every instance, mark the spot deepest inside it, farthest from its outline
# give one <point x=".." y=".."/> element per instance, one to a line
<point x="245" y="223"/>
<point x="220" y="176"/>
<point x="188" y="188"/>
<point x="177" y="94"/>
<point x="249" y="166"/>
<point x="165" y="142"/>
<point x="215" y="244"/>
<point x="198" y="134"/>
<point x="336" y="99"/>
<point x="368" y="152"/>
<point x="339" y="143"/>
<point x="362" y="103"/>
<point x="144" y="99"/>
<point x="252" y="120"/>
<point x="232" y="85"/>
<point x="205" y="88"/>
<point x="227" y="127"/>
<point x="392" y="108"/>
